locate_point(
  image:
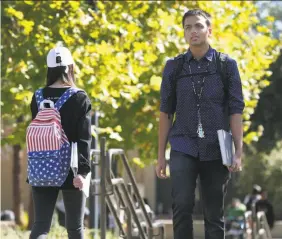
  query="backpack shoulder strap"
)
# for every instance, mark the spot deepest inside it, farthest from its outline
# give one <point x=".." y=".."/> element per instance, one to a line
<point x="39" y="97"/>
<point x="221" y="65"/>
<point x="65" y="96"/>
<point x="178" y="65"/>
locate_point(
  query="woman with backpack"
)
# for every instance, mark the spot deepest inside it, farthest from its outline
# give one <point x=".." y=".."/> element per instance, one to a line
<point x="60" y="116"/>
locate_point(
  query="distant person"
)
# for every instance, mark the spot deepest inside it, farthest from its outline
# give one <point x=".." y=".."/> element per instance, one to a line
<point x="60" y="116"/>
<point x="264" y="205"/>
<point x="251" y="199"/>
<point x="235" y="210"/>
<point x="7" y="215"/>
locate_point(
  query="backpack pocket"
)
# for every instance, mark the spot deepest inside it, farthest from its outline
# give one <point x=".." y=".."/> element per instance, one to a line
<point x="46" y="169"/>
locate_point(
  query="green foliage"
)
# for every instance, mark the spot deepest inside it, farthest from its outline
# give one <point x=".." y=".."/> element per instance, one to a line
<point x="265" y="170"/>
<point x="268" y="113"/>
<point x="120" y="49"/>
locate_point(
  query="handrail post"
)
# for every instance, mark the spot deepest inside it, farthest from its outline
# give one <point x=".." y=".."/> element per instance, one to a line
<point x="137" y="193"/>
<point x="129" y="223"/>
<point x="254" y="221"/>
<point x="103" y="209"/>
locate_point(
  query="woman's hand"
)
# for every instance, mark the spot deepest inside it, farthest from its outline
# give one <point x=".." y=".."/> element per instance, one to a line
<point x="78" y="181"/>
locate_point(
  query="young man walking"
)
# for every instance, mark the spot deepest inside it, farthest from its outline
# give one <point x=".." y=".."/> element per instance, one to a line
<point x="202" y="89"/>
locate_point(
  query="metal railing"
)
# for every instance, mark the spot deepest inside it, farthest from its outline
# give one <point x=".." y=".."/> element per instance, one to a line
<point x="115" y="193"/>
<point x="263" y="227"/>
<point x="258" y="227"/>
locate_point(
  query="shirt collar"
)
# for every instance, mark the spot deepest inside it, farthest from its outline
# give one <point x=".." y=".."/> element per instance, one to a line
<point x="208" y="55"/>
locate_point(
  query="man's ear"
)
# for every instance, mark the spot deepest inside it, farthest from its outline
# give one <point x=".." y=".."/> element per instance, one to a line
<point x="210" y="30"/>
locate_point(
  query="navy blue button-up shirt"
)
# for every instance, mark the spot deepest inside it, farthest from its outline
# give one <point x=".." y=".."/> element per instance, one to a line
<point x="183" y="134"/>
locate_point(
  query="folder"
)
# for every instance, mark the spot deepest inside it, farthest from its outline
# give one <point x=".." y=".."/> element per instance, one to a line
<point x="226" y="144"/>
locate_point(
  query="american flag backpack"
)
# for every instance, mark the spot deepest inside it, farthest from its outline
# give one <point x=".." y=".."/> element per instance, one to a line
<point x="48" y="148"/>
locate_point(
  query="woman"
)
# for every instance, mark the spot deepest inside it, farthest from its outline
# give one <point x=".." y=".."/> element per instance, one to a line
<point x="76" y="124"/>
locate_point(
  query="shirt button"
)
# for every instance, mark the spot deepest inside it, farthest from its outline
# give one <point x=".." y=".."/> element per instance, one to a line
<point x="199" y="67"/>
<point x="199" y="82"/>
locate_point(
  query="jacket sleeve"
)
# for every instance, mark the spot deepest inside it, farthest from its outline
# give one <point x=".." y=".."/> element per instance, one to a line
<point x="84" y="134"/>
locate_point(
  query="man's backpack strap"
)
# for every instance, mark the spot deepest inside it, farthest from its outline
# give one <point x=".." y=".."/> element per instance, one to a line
<point x="39" y="97"/>
<point x="221" y="65"/>
<point x="65" y="96"/>
<point x="178" y="65"/>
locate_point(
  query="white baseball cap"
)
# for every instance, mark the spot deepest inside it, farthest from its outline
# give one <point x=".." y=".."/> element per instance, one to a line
<point x="59" y="56"/>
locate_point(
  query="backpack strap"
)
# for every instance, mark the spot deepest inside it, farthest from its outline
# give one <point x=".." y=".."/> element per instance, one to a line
<point x="65" y="96"/>
<point x="221" y="68"/>
<point x="179" y="62"/>
<point x="39" y="97"/>
<point x="221" y="65"/>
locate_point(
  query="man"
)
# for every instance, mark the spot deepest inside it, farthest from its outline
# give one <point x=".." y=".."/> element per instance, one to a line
<point x="265" y="205"/>
<point x="198" y="102"/>
<point x="252" y="198"/>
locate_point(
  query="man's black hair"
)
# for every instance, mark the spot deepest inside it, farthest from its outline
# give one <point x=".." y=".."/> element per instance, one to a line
<point x="197" y="12"/>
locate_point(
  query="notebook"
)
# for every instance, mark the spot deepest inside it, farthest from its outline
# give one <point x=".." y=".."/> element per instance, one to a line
<point x="226" y="147"/>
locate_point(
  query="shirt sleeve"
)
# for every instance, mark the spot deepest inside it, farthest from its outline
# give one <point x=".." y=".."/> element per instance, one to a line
<point x="235" y="99"/>
<point x="84" y="134"/>
<point x="166" y="89"/>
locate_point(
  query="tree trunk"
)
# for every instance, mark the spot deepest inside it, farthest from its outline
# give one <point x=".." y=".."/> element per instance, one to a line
<point x="17" y="195"/>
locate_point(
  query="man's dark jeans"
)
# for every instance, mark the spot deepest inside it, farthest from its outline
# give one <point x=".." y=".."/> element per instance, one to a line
<point x="184" y="170"/>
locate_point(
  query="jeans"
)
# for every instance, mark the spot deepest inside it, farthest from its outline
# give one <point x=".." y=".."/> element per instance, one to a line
<point x="44" y="201"/>
<point x="184" y="171"/>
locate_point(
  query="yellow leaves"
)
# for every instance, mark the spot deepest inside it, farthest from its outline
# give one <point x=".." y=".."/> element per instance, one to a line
<point x="56" y="4"/>
<point x="20" y="94"/>
<point x="138" y="162"/>
<point x="94" y="34"/>
<point x="264" y="83"/>
<point x="139" y="46"/>
<point x="133" y="28"/>
<point x="27" y="26"/>
<point x="252" y="136"/>
<point x="118" y="128"/>
<point x="104" y="48"/>
<point x="166" y="19"/>
<point x="270" y="19"/>
<point x="28" y="2"/>
<point x="155" y="82"/>
<point x="150" y="57"/>
<point x="74" y="4"/>
<point x="112" y="134"/>
<point x="100" y="5"/>
<point x="69" y="40"/>
<point x="263" y="29"/>
<point x="153" y="23"/>
<point x="13" y="12"/>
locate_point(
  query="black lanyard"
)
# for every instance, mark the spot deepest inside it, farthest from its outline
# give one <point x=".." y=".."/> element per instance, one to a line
<point x="198" y="95"/>
<point x="200" y="130"/>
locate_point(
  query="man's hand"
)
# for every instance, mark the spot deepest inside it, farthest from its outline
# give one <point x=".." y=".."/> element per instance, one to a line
<point x="237" y="163"/>
<point x="161" y="168"/>
<point x="78" y="181"/>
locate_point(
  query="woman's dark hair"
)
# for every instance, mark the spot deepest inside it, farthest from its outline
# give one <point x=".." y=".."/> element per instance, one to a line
<point x="59" y="73"/>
